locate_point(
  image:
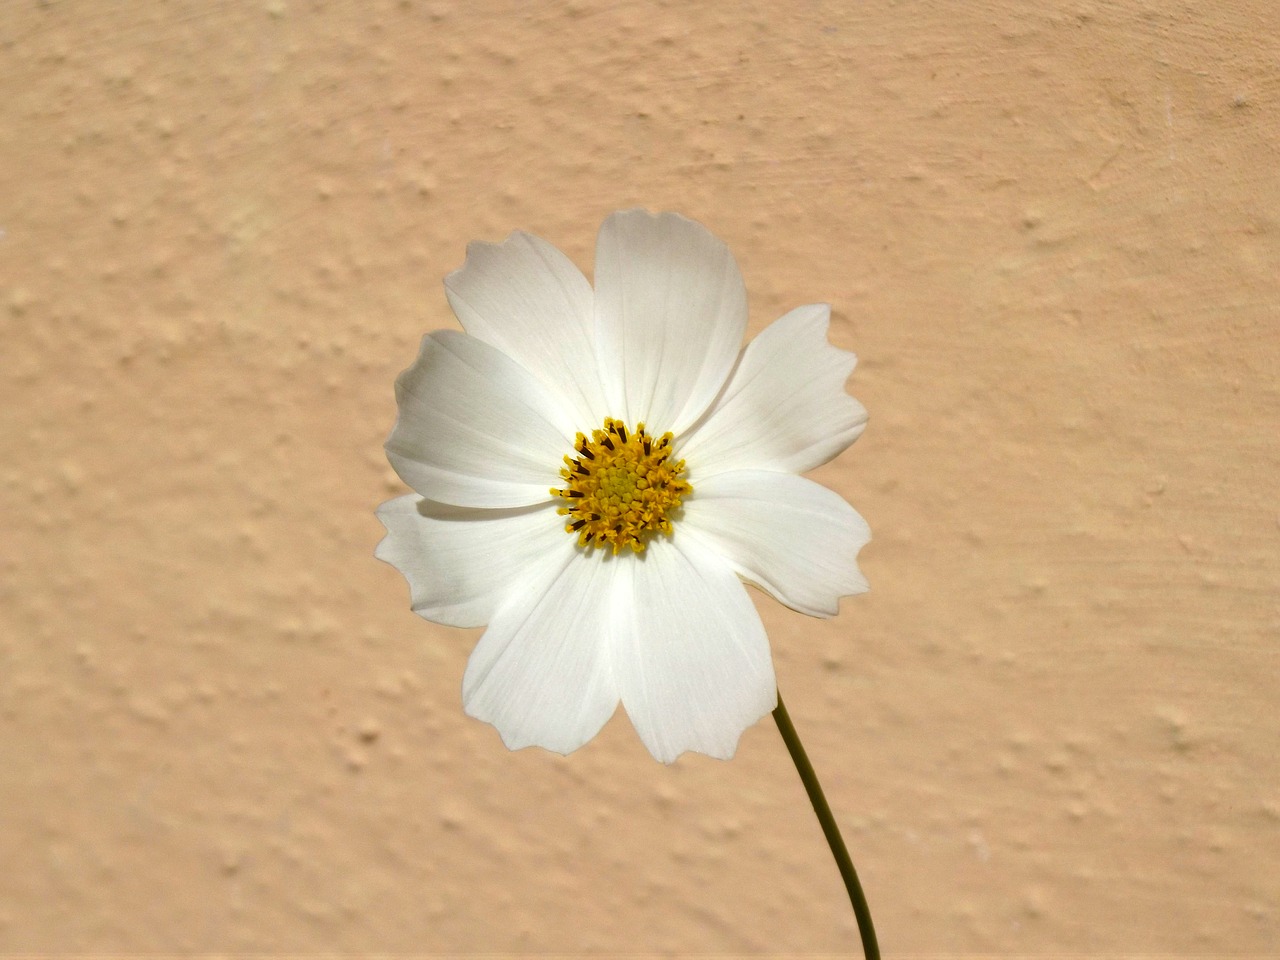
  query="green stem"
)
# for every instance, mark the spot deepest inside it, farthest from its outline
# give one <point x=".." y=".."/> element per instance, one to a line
<point x="870" y="949"/>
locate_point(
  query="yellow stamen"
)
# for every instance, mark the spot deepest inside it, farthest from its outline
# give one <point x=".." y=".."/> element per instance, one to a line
<point x="621" y="487"/>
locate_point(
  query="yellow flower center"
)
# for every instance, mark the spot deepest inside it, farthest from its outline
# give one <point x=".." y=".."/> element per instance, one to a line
<point x="621" y="487"/>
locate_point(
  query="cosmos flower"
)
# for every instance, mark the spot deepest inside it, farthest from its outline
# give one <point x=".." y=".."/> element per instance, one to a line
<point x="596" y="472"/>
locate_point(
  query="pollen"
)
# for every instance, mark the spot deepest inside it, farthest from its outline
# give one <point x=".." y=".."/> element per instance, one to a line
<point x="621" y="487"/>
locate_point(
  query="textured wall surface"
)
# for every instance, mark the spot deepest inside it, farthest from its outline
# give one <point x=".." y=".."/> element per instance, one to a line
<point x="1051" y="231"/>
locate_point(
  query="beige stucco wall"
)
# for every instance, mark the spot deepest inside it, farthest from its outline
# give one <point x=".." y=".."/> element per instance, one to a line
<point x="1050" y="230"/>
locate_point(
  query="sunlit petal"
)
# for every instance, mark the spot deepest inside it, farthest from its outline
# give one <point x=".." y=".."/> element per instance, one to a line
<point x="690" y="654"/>
<point x="794" y="538"/>
<point x="671" y="310"/>
<point x="460" y="562"/>
<point x="526" y="298"/>
<point x="784" y="407"/>
<point x="542" y="673"/>
<point x="475" y="428"/>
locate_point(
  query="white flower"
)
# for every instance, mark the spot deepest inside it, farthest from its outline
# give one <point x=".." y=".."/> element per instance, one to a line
<point x="605" y="558"/>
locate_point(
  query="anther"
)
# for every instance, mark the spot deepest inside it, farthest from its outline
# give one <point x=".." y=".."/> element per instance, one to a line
<point x="624" y="486"/>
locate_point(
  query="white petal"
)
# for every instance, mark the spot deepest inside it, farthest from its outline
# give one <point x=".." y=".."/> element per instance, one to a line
<point x="526" y="298"/>
<point x="671" y="310"/>
<point x="784" y="407"/>
<point x="690" y="654"/>
<point x="542" y="672"/>
<point x="461" y="562"/>
<point x="789" y="535"/>
<point x="475" y="428"/>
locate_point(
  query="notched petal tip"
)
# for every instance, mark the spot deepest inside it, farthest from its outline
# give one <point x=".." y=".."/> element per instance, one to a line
<point x="724" y="752"/>
<point x="481" y="249"/>
<point x="842" y="362"/>
<point x="817" y="318"/>
<point x="555" y="741"/>
<point x="638" y="213"/>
